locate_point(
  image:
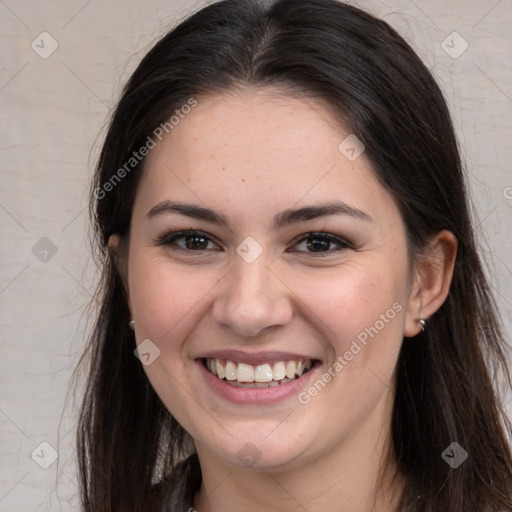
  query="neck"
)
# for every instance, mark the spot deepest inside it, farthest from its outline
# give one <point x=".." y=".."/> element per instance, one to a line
<point x="349" y="477"/>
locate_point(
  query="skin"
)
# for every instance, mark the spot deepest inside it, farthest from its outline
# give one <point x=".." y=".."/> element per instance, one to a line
<point x="251" y="154"/>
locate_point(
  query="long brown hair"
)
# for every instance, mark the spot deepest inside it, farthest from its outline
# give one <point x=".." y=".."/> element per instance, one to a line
<point x="368" y="74"/>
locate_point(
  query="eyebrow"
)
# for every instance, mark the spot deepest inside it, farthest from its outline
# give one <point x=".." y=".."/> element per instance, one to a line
<point x="282" y="219"/>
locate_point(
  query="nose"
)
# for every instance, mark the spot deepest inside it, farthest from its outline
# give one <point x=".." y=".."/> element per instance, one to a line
<point x="252" y="299"/>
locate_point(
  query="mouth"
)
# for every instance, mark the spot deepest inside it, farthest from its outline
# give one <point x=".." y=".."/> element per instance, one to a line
<point x="264" y="375"/>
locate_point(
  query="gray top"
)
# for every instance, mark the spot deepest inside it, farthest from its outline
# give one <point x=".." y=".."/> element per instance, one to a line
<point x="180" y="499"/>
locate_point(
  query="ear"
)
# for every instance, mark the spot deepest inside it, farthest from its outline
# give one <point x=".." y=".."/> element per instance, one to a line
<point x="119" y="256"/>
<point x="433" y="274"/>
<point x="113" y="244"/>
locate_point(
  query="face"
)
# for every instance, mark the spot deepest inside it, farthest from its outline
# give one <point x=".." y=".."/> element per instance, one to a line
<point x="270" y="271"/>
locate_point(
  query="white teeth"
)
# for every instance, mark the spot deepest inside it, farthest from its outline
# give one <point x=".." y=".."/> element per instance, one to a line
<point x="290" y="369"/>
<point x="230" y="370"/>
<point x="220" y="369"/>
<point x="245" y="373"/>
<point x="271" y="384"/>
<point x="213" y="366"/>
<point x="262" y="375"/>
<point x="259" y="385"/>
<point x="279" y="371"/>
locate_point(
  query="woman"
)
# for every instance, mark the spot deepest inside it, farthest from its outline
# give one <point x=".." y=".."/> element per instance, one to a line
<point x="284" y="234"/>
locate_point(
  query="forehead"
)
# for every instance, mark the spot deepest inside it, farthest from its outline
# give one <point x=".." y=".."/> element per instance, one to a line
<point x="255" y="147"/>
<point x="254" y="126"/>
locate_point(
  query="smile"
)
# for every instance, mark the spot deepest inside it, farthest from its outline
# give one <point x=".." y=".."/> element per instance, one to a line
<point x="264" y="375"/>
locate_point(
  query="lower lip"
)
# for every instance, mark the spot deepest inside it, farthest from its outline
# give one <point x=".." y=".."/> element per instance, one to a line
<point x="271" y="395"/>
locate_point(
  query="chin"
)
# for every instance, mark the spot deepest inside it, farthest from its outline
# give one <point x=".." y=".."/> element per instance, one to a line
<point x="246" y="450"/>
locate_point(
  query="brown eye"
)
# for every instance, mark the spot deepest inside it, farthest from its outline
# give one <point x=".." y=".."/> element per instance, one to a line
<point x="189" y="240"/>
<point x="320" y="243"/>
<point x="194" y="242"/>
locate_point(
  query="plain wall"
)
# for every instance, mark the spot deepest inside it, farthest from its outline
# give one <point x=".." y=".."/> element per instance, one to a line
<point x="52" y="114"/>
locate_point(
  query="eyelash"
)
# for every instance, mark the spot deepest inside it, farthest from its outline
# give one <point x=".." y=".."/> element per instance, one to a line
<point x="170" y="239"/>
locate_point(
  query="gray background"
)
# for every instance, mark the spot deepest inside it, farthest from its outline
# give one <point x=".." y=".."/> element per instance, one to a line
<point x="53" y="113"/>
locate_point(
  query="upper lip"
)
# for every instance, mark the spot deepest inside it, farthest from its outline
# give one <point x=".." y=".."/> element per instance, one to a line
<point x="255" y="358"/>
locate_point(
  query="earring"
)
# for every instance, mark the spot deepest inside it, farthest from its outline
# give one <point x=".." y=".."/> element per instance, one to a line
<point x="422" y="322"/>
<point x="131" y="323"/>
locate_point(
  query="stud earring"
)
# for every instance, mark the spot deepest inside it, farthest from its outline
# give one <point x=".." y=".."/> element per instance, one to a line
<point x="131" y="323"/>
<point x="422" y="323"/>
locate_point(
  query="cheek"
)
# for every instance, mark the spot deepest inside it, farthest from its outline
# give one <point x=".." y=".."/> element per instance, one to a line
<point x="361" y="307"/>
<point x="166" y="297"/>
<point x="168" y="301"/>
<point x="355" y="302"/>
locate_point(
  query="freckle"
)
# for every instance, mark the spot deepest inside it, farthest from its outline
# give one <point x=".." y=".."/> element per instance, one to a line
<point x="223" y="168"/>
<point x="243" y="180"/>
